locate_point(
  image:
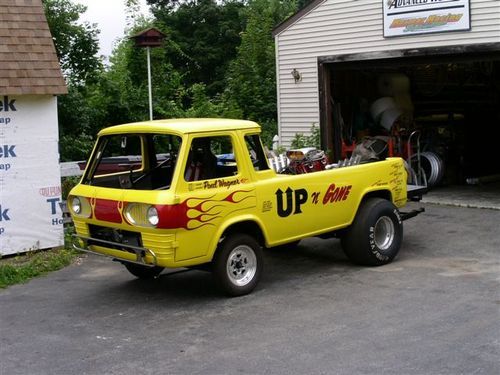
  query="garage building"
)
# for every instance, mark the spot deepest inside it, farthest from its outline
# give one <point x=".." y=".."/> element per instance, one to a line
<point x="437" y="61"/>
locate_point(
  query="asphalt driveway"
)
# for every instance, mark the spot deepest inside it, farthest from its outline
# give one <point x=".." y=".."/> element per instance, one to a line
<point x="435" y="310"/>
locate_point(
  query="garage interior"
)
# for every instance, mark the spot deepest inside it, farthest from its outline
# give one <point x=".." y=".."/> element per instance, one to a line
<point x="452" y="97"/>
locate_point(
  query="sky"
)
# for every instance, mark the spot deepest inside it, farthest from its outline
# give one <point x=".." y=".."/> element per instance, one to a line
<point x="110" y="18"/>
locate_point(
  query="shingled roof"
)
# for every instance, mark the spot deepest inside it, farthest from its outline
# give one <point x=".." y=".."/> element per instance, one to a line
<point x="28" y="60"/>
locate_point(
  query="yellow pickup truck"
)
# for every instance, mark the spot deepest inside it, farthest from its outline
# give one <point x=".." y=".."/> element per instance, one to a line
<point x="201" y="193"/>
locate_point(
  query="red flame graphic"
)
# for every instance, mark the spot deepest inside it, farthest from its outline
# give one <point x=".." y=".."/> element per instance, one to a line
<point x="180" y="215"/>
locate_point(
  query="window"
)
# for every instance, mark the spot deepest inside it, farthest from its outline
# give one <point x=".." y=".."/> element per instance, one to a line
<point x="134" y="161"/>
<point x="209" y="158"/>
<point x="118" y="154"/>
<point x="256" y="152"/>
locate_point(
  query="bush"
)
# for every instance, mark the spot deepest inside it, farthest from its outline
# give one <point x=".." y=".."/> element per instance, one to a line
<point x="67" y="183"/>
<point x="311" y="140"/>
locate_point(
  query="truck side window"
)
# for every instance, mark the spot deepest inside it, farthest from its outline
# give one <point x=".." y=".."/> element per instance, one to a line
<point x="256" y="152"/>
<point x="163" y="152"/>
<point x="210" y="157"/>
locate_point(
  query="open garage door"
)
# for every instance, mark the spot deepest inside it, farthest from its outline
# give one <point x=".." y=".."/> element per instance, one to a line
<point x="450" y="96"/>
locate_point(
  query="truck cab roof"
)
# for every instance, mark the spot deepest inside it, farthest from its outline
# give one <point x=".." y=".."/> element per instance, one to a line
<point x="182" y="126"/>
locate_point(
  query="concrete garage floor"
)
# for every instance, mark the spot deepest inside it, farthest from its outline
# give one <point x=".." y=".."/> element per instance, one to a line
<point x="434" y="310"/>
<point x="478" y="196"/>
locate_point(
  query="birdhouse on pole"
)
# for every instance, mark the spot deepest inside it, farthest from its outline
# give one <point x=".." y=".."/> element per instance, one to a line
<point x="149" y="38"/>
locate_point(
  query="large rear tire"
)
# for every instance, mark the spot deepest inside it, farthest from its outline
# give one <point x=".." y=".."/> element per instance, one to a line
<point x="238" y="264"/>
<point x="375" y="236"/>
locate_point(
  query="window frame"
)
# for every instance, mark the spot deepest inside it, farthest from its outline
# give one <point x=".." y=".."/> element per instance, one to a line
<point x="188" y="145"/>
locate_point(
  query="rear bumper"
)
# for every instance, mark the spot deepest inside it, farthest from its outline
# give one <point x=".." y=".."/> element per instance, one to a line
<point x="415" y="192"/>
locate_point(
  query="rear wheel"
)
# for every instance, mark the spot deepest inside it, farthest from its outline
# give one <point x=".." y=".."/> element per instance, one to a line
<point x="238" y="263"/>
<point x="375" y="236"/>
<point x="143" y="272"/>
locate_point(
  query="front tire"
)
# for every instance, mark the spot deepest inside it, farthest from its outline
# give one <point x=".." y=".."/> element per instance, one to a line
<point x="238" y="264"/>
<point x="375" y="236"/>
<point x="143" y="272"/>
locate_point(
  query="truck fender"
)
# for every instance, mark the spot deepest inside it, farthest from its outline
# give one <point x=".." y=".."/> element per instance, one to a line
<point x="376" y="192"/>
<point x="244" y="222"/>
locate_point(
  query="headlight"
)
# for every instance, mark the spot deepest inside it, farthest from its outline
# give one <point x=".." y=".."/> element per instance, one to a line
<point x="80" y="206"/>
<point x="141" y="214"/>
<point x="76" y="205"/>
<point x="153" y="216"/>
<point x="130" y="213"/>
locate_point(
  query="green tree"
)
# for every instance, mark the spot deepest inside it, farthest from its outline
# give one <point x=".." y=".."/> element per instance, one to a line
<point x="207" y="67"/>
<point x="124" y="84"/>
<point x="251" y="80"/>
<point x="303" y="3"/>
<point x="76" y="43"/>
<point x="77" y="47"/>
<point x="202" y="38"/>
<point x="163" y="5"/>
<point x="77" y="118"/>
<point x="124" y="88"/>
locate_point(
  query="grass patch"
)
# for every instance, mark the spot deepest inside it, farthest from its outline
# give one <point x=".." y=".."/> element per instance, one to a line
<point x="21" y="268"/>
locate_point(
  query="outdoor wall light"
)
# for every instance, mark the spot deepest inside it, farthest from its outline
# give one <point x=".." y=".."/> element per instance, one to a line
<point x="296" y="75"/>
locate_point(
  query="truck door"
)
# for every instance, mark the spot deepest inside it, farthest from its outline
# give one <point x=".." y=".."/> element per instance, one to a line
<point x="212" y="188"/>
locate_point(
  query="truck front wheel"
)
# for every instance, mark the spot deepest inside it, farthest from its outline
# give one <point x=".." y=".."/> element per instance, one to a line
<point x="375" y="236"/>
<point x="238" y="264"/>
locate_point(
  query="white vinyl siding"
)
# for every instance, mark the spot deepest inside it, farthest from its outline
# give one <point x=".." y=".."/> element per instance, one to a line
<point x="338" y="27"/>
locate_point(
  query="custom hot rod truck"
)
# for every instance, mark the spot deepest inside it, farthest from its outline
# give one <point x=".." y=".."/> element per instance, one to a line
<point x="200" y="193"/>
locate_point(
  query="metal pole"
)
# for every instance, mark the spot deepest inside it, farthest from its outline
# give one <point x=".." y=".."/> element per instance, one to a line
<point x="149" y="85"/>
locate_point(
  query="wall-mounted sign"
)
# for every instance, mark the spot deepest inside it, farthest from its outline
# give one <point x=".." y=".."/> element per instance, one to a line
<point x="410" y="17"/>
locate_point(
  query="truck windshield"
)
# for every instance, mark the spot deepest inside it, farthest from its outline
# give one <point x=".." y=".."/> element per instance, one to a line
<point x="133" y="161"/>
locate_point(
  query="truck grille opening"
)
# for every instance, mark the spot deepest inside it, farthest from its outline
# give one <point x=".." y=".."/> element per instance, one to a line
<point x="117" y="236"/>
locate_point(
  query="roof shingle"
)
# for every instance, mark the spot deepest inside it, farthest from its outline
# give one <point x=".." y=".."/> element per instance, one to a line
<point x="28" y="60"/>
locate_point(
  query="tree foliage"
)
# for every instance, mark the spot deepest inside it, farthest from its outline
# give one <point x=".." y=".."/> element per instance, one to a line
<point x="78" y="112"/>
<point x="218" y="60"/>
<point x="303" y="3"/>
<point x="202" y="38"/>
<point x="76" y="43"/>
<point x="251" y="80"/>
<point x="77" y="47"/>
